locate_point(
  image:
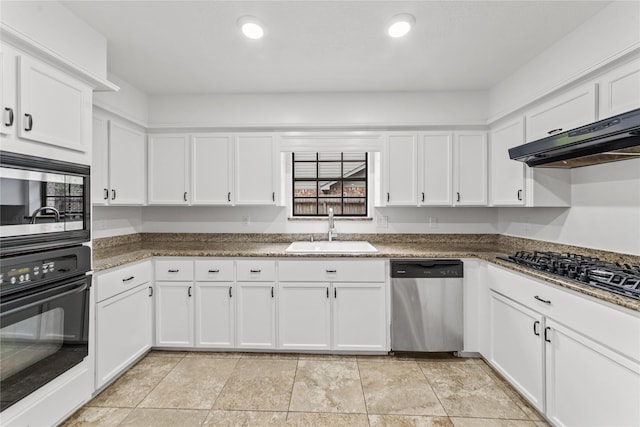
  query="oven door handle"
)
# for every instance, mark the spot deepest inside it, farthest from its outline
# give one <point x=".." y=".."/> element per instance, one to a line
<point x="74" y="288"/>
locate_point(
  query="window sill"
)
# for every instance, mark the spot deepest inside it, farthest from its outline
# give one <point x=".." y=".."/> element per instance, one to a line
<point x="324" y="218"/>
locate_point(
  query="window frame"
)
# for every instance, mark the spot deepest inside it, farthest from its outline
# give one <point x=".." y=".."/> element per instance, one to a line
<point x="340" y="179"/>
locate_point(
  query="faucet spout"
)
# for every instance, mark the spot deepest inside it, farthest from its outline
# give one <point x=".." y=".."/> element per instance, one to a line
<point x="332" y="229"/>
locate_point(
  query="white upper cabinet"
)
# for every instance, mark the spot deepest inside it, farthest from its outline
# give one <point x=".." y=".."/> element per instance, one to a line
<point x="401" y="165"/>
<point x="255" y="167"/>
<point x="127" y="172"/>
<point x="168" y="170"/>
<point x="562" y="113"/>
<point x="54" y="108"/>
<point x="435" y="153"/>
<point x="470" y="169"/>
<point x="506" y="179"/>
<point x="8" y="100"/>
<point x="118" y="174"/>
<point x="620" y="90"/>
<point x="211" y="169"/>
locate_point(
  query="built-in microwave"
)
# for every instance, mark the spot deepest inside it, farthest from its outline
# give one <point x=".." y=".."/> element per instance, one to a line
<point x="44" y="203"/>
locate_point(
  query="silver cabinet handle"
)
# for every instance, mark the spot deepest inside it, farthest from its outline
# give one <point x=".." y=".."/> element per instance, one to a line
<point x="172" y="271"/>
<point x="214" y="271"/>
<point x="519" y="194"/>
<point x="272" y="292"/>
<point x="189" y="291"/>
<point x="106" y="194"/>
<point x="543" y="300"/>
<point x="273" y="196"/>
<point x="230" y="294"/>
<point x="255" y="271"/>
<point x="546" y="334"/>
<point x="335" y="292"/>
<point x="327" y="292"/>
<point x="552" y="131"/>
<point x="10" y="121"/>
<point x="150" y="291"/>
<point x="331" y="271"/>
<point x="457" y="196"/>
<point x="29" y="125"/>
<point x="185" y="196"/>
<point x="535" y="328"/>
<point x="423" y="196"/>
<point x="113" y="194"/>
<point x="388" y="197"/>
<point x="128" y="279"/>
<point x="229" y="196"/>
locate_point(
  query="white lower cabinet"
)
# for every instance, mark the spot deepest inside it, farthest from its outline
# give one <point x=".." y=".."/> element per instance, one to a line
<point x="304" y="316"/>
<point x="215" y="315"/>
<point x="574" y="358"/>
<point x="124" y="319"/>
<point x="256" y="317"/>
<point x="359" y="321"/>
<point x="174" y="314"/>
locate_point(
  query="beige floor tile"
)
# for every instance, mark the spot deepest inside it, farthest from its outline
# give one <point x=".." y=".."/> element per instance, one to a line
<point x="245" y="418"/>
<point x="144" y="417"/>
<point x="215" y="354"/>
<point x="317" y="419"/>
<point x="466" y="390"/>
<point x="130" y="389"/>
<point x="327" y="386"/>
<point x="408" y="421"/>
<point x="91" y="416"/>
<point x="491" y="422"/>
<point x="339" y="357"/>
<point x="384" y="358"/>
<point x="258" y="384"/>
<point x="398" y="388"/>
<point x="531" y="412"/>
<point x="167" y="353"/>
<point x="194" y="383"/>
<point x="276" y="356"/>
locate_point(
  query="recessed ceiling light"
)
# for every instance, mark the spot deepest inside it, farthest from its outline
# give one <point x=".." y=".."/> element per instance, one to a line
<point x="400" y="25"/>
<point x="251" y="27"/>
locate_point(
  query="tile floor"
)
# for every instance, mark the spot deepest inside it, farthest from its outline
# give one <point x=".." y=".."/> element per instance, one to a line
<point x="230" y="389"/>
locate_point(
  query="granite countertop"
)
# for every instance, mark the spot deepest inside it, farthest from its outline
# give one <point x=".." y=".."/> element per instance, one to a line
<point x="113" y="252"/>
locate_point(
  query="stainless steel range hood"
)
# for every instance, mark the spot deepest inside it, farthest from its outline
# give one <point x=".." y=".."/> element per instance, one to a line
<point x="609" y="140"/>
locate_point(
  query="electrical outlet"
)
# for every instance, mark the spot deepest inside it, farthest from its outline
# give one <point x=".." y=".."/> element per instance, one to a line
<point x="383" y="221"/>
<point x="246" y="220"/>
<point x="433" y="222"/>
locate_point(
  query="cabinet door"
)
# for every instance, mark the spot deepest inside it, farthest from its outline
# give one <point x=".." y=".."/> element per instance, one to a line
<point x="516" y="346"/>
<point x="359" y="317"/>
<point x="54" y="107"/>
<point x="255" y="170"/>
<point x="256" y="318"/>
<point x="215" y="314"/>
<point x="8" y="83"/>
<point x="100" y="166"/>
<point x="506" y="175"/>
<point x="174" y="314"/>
<point x="620" y="90"/>
<point x="401" y="180"/>
<point x="435" y="152"/>
<point x="211" y="169"/>
<point x="127" y="160"/>
<point x="168" y="170"/>
<point x="304" y="316"/>
<point x="562" y="113"/>
<point x="123" y="331"/>
<point x="588" y="384"/>
<point x="470" y="169"/>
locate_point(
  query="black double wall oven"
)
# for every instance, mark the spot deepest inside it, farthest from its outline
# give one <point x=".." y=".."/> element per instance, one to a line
<point x="44" y="272"/>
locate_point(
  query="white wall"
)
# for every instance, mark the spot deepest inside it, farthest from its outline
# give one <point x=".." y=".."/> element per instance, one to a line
<point x="111" y="221"/>
<point x="319" y="109"/>
<point x="55" y="27"/>
<point x="610" y="33"/>
<point x="604" y="213"/>
<point x="275" y="220"/>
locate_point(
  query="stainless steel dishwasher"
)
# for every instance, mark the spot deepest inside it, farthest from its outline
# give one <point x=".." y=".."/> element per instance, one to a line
<point x="426" y="305"/>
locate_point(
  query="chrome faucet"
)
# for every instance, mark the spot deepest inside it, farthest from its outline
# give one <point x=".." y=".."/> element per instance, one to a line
<point x="332" y="227"/>
<point x="35" y="213"/>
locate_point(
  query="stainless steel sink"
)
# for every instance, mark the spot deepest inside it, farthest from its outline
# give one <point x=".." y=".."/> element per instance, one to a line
<point x="334" y="247"/>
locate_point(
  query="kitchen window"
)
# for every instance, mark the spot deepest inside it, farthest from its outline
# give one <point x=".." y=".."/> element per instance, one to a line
<point x="330" y="180"/>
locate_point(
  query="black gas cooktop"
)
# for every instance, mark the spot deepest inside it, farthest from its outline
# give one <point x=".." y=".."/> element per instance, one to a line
<point x="620" y="279"/>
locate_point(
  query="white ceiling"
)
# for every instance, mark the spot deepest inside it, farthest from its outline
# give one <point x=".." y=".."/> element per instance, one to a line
<point x="191" y="47"/>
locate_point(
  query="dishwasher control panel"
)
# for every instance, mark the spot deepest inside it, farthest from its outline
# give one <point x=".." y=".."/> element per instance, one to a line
<point x="427" y="268"/>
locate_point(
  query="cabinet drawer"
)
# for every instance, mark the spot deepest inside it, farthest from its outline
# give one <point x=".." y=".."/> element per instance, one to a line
<point x="614" y="327"/>
<point x="214" y="270"/>
<point x="174" y="269"/>
<point x="331" y="270"/>
<point x="121" y="279"/>
<point x="256" y="270"/>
